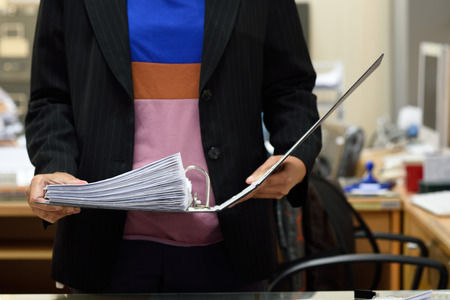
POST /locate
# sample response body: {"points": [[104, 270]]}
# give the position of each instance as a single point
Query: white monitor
{"points": [[433, 89]]}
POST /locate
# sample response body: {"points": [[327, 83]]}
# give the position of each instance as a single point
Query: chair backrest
{"points": [[328, 230], [338, 212], [332, 207], [345, 220]]}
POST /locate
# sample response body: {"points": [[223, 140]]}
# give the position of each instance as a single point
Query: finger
{"points": [[273, 189], [63, 178], [278, 179], [262, 169], [50, 215], [270, 195], [35, 192], [38, 182], [66, 210], [266, 191]]}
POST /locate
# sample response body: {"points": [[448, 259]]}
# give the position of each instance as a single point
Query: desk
{"points": [[433, 230], [341, 295], [382, 214], [25, 247]]}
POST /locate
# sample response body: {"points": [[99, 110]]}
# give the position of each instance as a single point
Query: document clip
{"points": [[196, 205]]}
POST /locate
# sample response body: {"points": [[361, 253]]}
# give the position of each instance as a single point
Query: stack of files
{"points": [[158, 186]]}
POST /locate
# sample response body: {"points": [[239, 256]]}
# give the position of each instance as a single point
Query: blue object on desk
{"points": [[412, 131], [369, 183], [369, 174]]}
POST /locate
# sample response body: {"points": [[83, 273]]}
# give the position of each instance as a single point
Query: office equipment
{"points": [[437, 203], [435, 186], [436, 168], [342, 146], [434, 89]]}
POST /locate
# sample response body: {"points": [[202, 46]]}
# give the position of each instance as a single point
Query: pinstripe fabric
{"points": [[81, 118], [219, 19]]}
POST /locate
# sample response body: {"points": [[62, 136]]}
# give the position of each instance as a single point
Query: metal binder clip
{"points": [[197, 203]]}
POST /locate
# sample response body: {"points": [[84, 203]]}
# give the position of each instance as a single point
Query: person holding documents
{"points": [[118, 84]]}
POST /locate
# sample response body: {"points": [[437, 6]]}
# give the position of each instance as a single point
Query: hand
{"points": [[278, 184], [35, 193]]}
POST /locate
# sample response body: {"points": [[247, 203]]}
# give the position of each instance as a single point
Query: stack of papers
{"points": [[437, 203], [158, 186]]}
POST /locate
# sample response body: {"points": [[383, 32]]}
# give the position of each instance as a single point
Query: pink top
{"points": [[166, 74]]}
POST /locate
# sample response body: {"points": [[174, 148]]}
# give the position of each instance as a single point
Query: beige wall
{"points": [[356, 32]]}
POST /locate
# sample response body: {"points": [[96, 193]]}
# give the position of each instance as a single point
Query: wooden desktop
{"points": [[25, 247], [434, 231]]}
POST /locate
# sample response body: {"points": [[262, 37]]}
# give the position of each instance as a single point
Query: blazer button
{"points": [[206, 95], [214, 153]]}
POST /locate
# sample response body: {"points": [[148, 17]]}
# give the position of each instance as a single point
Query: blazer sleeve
{"points": [[49, 126], [290, 107]]}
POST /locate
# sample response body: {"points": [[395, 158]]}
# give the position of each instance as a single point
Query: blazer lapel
{"points": [[220, 16], [110, 24]]}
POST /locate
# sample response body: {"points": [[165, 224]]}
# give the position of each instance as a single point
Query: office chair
{"points": [[340, 214]]}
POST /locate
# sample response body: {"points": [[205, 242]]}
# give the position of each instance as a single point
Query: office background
{"points": [[348, 34]]}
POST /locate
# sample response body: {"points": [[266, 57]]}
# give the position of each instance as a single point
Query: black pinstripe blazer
{"points": [[81, 118]]}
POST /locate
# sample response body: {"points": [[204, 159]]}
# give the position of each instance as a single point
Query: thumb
{"points": [[64, 178], [262, 169], [77, 181]]}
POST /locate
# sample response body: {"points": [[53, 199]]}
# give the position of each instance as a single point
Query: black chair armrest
{"points": [[403, 239], [304, 264], [397, 237]]}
